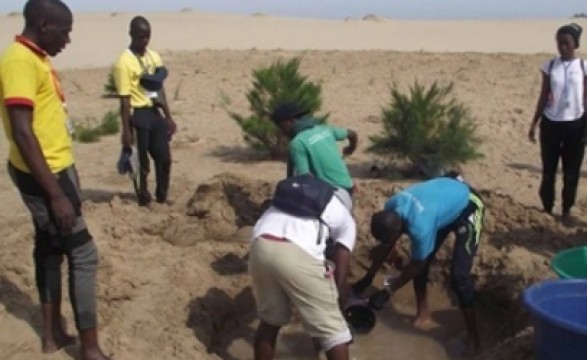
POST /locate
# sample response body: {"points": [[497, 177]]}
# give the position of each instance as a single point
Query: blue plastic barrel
{"points": [[559, 314]]}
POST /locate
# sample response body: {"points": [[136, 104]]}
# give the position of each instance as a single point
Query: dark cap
{"points": [[574, 30], [287, 110]]}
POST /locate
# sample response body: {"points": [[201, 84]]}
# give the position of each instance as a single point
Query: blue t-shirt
{"points": [[428, 207]]}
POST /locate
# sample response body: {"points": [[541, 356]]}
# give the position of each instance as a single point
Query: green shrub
{"points": [[109, 125], [84, 134], [110, 85], [428, 128], [272, 85]]}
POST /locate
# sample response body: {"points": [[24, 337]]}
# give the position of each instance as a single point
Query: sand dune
{"points": [[97, 38]]}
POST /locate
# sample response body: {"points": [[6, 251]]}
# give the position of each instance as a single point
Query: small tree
{"points": [[110, 85], [428, 128], [109, 125], [272, 85]]}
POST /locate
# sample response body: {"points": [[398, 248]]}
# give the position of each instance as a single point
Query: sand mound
{"points": [[371, 17], [518, 244], [173, 281], [226, 204]]}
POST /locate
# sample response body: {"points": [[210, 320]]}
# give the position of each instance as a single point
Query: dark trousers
{"points": [[51, 246], [564, 140], [467, 229], [152, 138]]}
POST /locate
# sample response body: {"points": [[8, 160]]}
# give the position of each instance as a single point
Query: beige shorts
{"points": [[285, 275]]}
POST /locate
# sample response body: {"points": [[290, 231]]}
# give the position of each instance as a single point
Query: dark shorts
{"points": [[467, 229], [52, 245], [40, 208]]}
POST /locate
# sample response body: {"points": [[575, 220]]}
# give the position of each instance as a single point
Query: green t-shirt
{"points": [[315, 151]]}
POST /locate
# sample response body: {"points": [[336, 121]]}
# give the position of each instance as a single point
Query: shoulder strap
{"points": [[550, 66], [143, 66], [583, 67]]}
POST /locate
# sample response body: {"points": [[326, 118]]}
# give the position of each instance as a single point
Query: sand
{"points": [[172, 279]]}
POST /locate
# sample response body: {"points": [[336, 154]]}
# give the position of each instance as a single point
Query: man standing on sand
{"points": [[288, 267], [139, 75], [41, 166], [427, 213], [313, 149]]}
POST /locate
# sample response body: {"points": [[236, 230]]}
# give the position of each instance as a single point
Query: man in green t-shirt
{"points": [[313, 148]]}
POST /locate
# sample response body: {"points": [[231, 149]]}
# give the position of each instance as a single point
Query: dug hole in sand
{"points": [[173, 281]]}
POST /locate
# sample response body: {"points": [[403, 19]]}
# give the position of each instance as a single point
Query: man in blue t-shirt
{"points": [[428, 212]]}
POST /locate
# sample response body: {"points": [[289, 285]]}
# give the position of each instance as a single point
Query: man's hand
{"points": [[172, 127], [360, 286], [379, 299], [127, 138], [348, 150], [396, 260], [64, 213]]}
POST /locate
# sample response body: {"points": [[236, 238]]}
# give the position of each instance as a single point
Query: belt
{"points": [[273, 238]]}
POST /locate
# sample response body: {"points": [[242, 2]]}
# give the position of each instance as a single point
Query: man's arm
{"points": [[353, 141], [341, 134], [127, 138], [378, 299], [342, 259], [409, 272], [377, 261], [21, 122], [343, 232], [122, 80]]}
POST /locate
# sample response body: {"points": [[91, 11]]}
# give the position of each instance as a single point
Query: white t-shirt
{"points": [[304, 231], [565, 101]]}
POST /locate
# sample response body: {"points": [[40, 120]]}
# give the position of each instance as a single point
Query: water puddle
{"points": [[393, 338]]}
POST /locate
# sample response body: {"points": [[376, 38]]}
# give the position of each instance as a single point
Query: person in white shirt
{"points": [[288, 267], [561, 113]]}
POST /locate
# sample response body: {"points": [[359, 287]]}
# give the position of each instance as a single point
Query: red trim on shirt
{"points": [[19, 101], [40, 52], [31, 45]]}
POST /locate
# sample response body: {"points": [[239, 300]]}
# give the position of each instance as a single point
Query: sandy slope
{"points": [[159, 301]]}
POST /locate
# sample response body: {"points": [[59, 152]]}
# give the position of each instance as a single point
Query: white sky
{"points": [[407, 9]]}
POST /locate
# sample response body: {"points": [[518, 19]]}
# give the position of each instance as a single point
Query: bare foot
{"points": [[49, 346], [95, 355], [57, 343], [424, 323]]}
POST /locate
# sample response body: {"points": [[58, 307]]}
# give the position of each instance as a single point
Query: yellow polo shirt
{"points": [[28, 79], [127, 72]]}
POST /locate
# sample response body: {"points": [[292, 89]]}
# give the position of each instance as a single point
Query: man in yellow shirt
{"points": [[41, 165], [139, 75]]}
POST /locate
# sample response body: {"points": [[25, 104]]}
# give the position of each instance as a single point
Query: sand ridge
{"points": [[98, 37]]}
